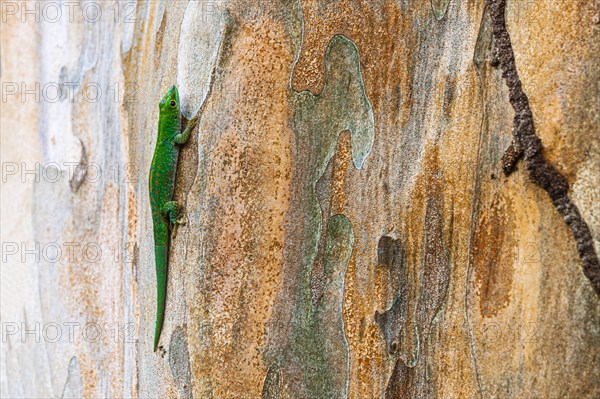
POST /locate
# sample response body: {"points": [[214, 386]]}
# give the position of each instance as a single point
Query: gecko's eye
{"points": [[173, 103]]}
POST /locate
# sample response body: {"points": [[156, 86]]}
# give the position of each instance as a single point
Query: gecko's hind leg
{"points": [[171, 211]]}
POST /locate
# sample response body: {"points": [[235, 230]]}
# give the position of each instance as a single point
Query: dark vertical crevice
{"points": [[411, 378], [528, 145], [390, 254]]}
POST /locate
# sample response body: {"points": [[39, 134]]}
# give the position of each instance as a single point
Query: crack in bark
{"points": [[80, 170], [528, 145]]}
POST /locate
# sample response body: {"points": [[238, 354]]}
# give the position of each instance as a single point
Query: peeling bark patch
{"points": [[410, 376], [179, 361], [540, 171], [412, 381], [272, 383], [390, 256], [389, 252], [391, 321], [400, 382], [493, 263], [436, 274]]}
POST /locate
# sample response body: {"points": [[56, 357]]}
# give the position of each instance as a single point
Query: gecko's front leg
{"points": [[184, 136]]}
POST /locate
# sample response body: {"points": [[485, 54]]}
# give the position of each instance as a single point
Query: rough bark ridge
{"points": [[527, 144]]}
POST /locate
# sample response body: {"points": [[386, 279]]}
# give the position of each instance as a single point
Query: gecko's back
{"points": [[163, 170]]}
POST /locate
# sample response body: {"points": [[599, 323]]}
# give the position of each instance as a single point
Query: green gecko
{"points": [[165, 211]]}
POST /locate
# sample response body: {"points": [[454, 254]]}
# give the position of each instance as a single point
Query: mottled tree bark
{"points": [[350, 231]]}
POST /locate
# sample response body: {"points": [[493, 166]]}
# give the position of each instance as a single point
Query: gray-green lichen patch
{"points": [[329, 310], [179, 361], [318, 349], [318, 122], [439, 8], [341, 105], [315, 360], [272, 383]]}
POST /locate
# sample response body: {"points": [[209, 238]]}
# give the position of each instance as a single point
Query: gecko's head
{"points": [[170, 102]]}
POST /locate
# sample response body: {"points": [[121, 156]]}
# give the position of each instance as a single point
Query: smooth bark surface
{"points": [[350, 231]]}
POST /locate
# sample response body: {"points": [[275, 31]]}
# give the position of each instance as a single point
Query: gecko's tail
{"points": [[161, 254]]}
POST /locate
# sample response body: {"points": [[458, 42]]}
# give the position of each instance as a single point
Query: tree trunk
{"points": [[350, 230]]}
